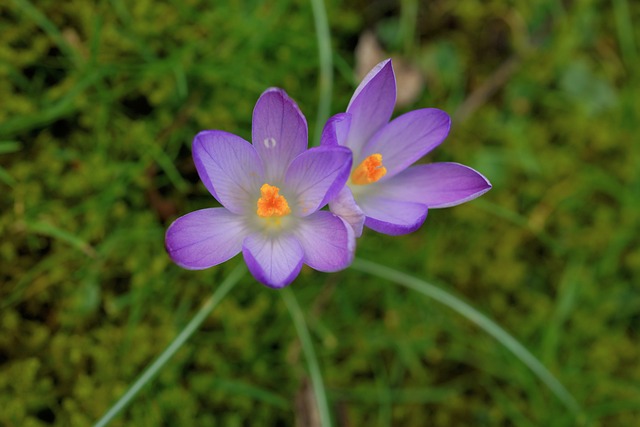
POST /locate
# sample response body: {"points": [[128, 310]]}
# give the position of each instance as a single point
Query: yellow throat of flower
{"points": [[369, 171], [272, 204]]}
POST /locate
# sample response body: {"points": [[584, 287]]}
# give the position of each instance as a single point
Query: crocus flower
{"points": [[384, 192], [271, 192]]}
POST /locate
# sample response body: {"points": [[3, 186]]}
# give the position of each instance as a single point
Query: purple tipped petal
{"points": [[327, 240], [274, 261], [316, 176], [336, 130], [223, 161], [279, 132], [205, 238], [345, 206], [407, 138], [437, 185], [371, 105], [392, 217]]}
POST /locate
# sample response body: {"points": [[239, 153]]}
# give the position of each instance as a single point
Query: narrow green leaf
{"points": [[326, 66], [309, 354], [227, 284], [486, 324]]}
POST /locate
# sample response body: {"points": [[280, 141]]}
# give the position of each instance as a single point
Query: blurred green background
{"points": [[99, 103]]}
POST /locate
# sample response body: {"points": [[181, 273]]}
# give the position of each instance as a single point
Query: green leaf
{"points": [[486, 324]]}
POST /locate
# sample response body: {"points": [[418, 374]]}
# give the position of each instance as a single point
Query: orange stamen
{"points": [[271, 203], [369, 171]]}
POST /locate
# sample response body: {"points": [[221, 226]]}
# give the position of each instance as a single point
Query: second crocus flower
{"points": [[384, 192]]}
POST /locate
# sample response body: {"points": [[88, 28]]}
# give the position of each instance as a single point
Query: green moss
{"points": [[104, 99]]}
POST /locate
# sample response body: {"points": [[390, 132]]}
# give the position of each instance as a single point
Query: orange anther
{"points": [[271, 203], [369, 171]]}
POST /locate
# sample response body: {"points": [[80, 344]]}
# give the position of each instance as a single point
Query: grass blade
{"points": [[309, 354], [326, 66], [486, 324], [229, 282]]}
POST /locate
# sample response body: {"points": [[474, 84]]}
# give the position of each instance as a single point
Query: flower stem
{"points": [[326, 66], [309, 354], [488, 325], [229, 282]]}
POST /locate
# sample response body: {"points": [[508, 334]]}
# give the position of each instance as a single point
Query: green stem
{"points": [[326, 66], [309, 354], [488, 325], [229, 282]]}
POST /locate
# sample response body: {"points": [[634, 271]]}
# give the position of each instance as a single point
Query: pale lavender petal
{"points": [[371, 105], [274, 261], [345, 206], [316, 176], [437, 185], [279, 132], [407, 138], [336, 130], [327, 240], [205, 238], [391, 216], [229, 167]]}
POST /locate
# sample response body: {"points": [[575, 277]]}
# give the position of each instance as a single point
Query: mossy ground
{"points": [[99, 103]]}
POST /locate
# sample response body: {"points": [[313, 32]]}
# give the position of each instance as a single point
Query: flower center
{"points": [[369, 171], [272, 204]]}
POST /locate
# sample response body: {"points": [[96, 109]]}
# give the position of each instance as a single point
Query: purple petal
{"points": [[345, 206], [392, 217], [327, 240], [407, 138], [437, 185], [205, 238], [229, 167], [371, 105], [273, 260], [279, 132], [316, 176], [336, 130]]}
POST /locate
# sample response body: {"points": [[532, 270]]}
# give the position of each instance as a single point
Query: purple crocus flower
{"points": [[384, 191], [271, 191]]}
